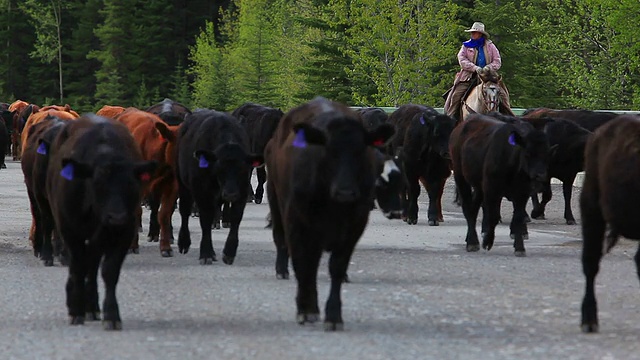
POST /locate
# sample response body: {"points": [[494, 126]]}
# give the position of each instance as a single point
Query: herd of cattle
{"points": [[86, 177]]}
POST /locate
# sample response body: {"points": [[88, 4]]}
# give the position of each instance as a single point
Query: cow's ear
{"points": [[72, 169], [43, 145], [144, 170], [308, 134], [515, 139], [380, 135], [204, 157], [166, 133], [256, 160]]}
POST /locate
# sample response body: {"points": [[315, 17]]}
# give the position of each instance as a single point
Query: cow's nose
{"points": [[345, 195]]}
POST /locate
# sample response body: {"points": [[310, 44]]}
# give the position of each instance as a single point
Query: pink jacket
{"points": [[467, 60]]}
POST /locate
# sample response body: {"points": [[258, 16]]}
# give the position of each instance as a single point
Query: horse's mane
{"points": [[489, 75]]}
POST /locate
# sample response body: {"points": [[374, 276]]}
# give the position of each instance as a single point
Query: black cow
{"points": [[94, 185], [4, 143], [6, 117], [422, 145], [372, 117], [491, 160], [35, 164], [609, 198], [566, 161], [171, 112], [588, 119], [323, 168], [259, 122], [213, 164]]}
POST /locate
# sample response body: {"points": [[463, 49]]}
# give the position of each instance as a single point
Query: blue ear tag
{"points": [[300, 141], [67, 171], [203, 164], [42, 149], [422, 119], [512, 139]]}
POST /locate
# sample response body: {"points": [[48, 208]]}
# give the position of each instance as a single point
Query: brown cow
{"points": [[46, 113], [609, 198], [110, 111], [20, 111], [157, 142]]}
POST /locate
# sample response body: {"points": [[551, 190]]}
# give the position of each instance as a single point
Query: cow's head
{"points": [[346, 143], [535, 152], [230, 165], [114, 184], [437, 129], [390, 187]]}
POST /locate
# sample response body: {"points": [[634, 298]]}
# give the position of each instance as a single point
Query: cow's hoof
{"points": [[331, 326], [63, 260], [440, 219], [283, 276], [112, 325], [307, 318], [134, 251], [487, 245], [140, 229], [257, 200], [155, 238], [433, 223], [48, 262], [76, 320], [538, 215], [216, 226], [473, 247], [571, 222], [520, 253], [346, 279], [207, 261], [166, 253], [92, 316], [226, 225], [590, 328], [412, 221], [525, 236], [3, 166], [228, 259]]}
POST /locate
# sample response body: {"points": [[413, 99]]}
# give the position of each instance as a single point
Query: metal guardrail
{"points": [[517, 111]]}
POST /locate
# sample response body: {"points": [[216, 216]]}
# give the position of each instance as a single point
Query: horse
{"points": [[484, 97]]}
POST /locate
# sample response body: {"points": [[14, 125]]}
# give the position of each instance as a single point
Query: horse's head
{"points": [[489, 80]]}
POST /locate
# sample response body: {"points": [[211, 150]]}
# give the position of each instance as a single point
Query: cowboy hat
{"points": [[479, 27]]}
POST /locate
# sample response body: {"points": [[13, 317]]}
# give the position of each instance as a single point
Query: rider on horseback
{"points": [[476, 53]]}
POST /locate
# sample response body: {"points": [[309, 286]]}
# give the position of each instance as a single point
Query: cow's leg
{"points": [[235, 212], [518, 225], [413, 191], [470, 206], [76, 280], [154, 225], [567, 188], [217, 217], [111, 266], [35, 235], [226, 217], [261, 173], [168, 201], [305, 257], [277, 231], [184, 207], [46, 225], [435, 198], [593, 229], [134, 248], [207, 213], [538, 212], [338, 264], [491, 215], [92, 307], [250, 195]]}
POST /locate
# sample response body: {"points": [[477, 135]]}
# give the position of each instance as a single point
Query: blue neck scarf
{"points": [[471, 43]]}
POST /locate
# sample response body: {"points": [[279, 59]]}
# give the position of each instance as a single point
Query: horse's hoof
{"points": [[166, 253], [228, 259], [110, 325], [92, 316], [590, 328], [520, 253], [134, 251], [331, 326], [76, 320], [283, 276], [433, 223], [48, 262], [571, 222], [307, 318], [207, 261], [154, 238], [473, 247]]}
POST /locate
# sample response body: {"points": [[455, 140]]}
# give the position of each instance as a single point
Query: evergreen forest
{"points": [[220, 54]]}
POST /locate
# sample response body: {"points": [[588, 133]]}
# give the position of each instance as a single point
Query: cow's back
{"points": [[401, 120]]}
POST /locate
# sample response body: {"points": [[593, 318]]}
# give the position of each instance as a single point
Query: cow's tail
{"points": [[458, 199], [611, 240]]}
